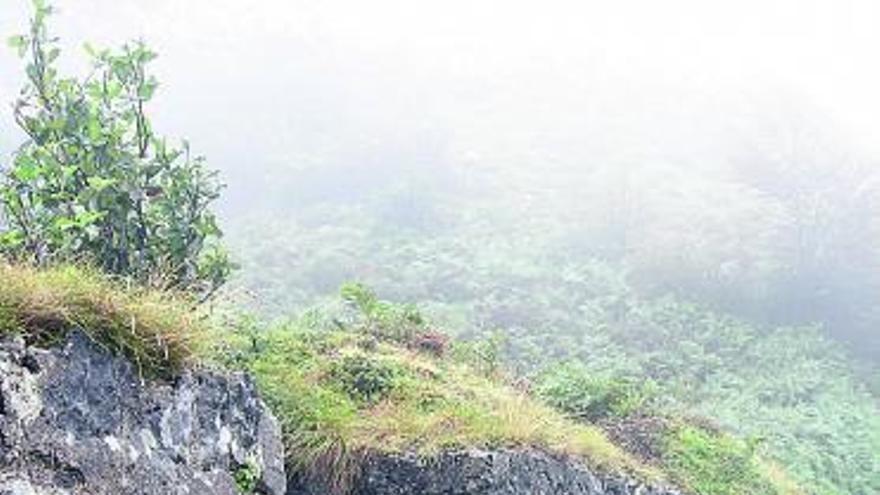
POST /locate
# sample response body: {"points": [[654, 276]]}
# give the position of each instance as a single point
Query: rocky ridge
{"points": [[77, 419]]}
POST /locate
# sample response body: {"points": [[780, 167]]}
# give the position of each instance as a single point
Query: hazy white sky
{"points": [[220, 57]]}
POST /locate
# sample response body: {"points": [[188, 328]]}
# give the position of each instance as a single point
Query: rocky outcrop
{"points": [[475, 472], [75, 419]]}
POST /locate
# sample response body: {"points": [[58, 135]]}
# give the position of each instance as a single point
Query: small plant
{"points": [[576, 391], [247, 477], [398, 323], [365, 379], [484, 355]]}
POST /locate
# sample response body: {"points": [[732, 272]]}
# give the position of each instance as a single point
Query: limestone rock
{"points": [[75, 419]]}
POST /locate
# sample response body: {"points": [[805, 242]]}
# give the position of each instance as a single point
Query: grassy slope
{"points": [[372, 384], [342, 394], [368, 385], [158, 331]]}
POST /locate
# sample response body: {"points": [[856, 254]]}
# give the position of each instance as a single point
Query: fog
{"points": [[550, 105], [684, 193], [260, 83]]}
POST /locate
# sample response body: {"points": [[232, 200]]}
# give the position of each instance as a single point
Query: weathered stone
{"points": [[476, 472], [78, 420]]}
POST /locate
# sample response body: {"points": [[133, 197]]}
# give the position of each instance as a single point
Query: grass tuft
{"points": [[159, 331]]}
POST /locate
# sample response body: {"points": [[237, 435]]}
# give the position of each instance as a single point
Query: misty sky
{"points": [[275, 80]]}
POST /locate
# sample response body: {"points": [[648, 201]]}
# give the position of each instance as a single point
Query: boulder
{"points": [[77, 419]]}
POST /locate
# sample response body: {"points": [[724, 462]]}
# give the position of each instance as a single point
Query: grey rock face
{"points": [[491, 473], [77, 420]]}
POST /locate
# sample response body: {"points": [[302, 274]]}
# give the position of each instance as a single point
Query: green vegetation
{"points": [[343, 393], [94, 182], [585, 395], [711, 463], [738, 330], [698, 457], [344, 385], [393, 400], [157, 330], [246, 477], [542, 304]]}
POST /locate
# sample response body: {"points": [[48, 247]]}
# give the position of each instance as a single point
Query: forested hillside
{"points": [[744, 296], [792, 385], [533, 252]]}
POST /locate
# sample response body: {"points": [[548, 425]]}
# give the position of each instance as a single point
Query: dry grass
{"points": [[470, 409], [431, 404], [158, 331]]}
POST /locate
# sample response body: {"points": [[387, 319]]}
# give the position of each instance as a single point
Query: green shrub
{"points": [[94, 182], [399, 323], [580, 393], [247, 476], [714, 464], [365, 379], [484, 355]]}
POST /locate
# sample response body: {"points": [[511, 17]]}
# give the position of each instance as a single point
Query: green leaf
{"points": [[16, 42], [53, 55], [88, 217], [64, 223], [114, 89], [100, 183], [12, 238], [94, 128], [145, 92], [69, 170], [27, 171]]}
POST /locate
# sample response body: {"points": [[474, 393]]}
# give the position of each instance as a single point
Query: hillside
{"points": [[565, 269], [548, 304], [376, 387]]}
